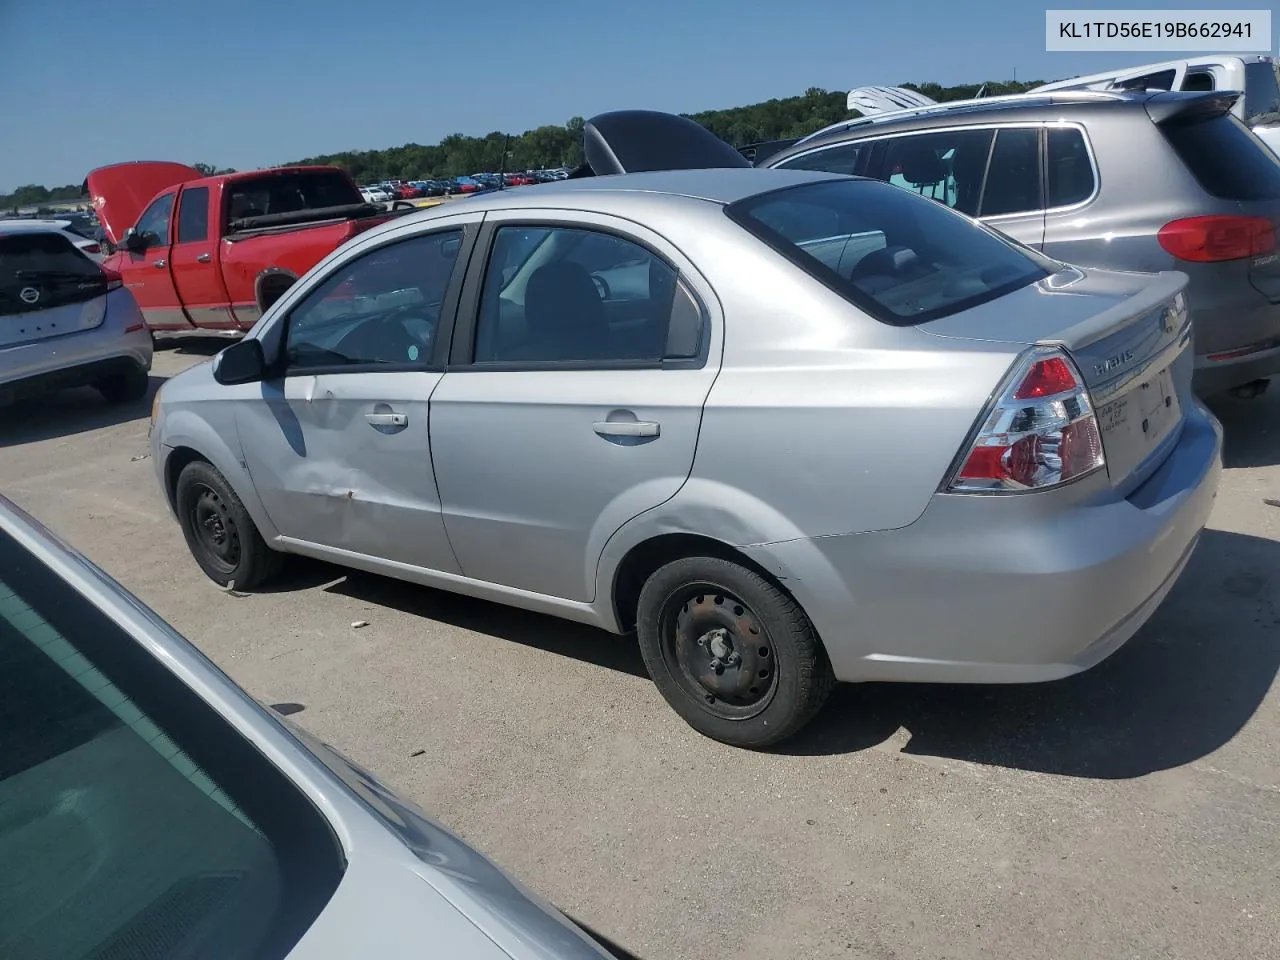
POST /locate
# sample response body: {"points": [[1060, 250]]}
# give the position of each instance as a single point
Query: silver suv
{"points": [[1129, 181]]}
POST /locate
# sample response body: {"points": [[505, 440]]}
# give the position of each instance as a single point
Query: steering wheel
{"points": [[387, 339], [602, 285]]}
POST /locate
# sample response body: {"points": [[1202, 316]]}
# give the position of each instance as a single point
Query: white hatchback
{"points": [[86, 244], [65, 321]]}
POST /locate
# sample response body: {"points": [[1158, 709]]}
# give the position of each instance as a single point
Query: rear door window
{"points": [[1160, 80], [193, 215], [137, 822], [945, 165], [1013, 177], [1226, 158], [902, 261], [1200, 81], [1070, 178]]}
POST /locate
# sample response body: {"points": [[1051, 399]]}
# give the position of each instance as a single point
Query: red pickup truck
{"points": [[213, 253]]}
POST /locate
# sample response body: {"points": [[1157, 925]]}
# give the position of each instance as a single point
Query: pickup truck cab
{"points": [[213, 253]]}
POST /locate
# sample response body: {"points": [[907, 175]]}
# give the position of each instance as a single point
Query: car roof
{"points": [[715, 185], [1013, 106], [21, 224]]}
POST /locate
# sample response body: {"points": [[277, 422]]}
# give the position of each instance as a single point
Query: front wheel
{"points": [[219, 531], [732, 654]]}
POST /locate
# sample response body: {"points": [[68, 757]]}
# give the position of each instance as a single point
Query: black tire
{"points": [[220, 533], [127, 387], [781, 676]]}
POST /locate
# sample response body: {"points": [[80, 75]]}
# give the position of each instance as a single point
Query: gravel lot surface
{"points": [[1133, 811]]}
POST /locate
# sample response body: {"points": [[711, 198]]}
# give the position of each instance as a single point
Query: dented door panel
{"points": [[344, 461]]}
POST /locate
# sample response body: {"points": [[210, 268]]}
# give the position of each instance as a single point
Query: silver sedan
{"points": [[788, 427]]}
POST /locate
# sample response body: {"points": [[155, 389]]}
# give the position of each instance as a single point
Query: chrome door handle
{"points": [[387, 419], [204, 258], [626, 428], [160, 264]]}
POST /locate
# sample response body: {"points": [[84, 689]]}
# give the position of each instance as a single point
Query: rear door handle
{"points": [[160, 264], [627, 428], [204, 258], [387, 419]]}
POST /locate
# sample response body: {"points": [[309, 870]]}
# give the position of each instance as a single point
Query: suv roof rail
{"points": [[983, 103]]}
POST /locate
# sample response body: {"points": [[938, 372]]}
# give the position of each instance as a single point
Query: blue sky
{"points": [[244, 84]]}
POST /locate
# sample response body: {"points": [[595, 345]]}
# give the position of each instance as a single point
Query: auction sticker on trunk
{"points": [[1134, 424]]}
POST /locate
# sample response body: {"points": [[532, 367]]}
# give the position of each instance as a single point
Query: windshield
{"points": [[143, 823], [900, 257]]}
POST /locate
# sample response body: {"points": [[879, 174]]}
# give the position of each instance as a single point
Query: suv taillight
{"points": [[1041, 432], [114, 280], [1212, 239]]}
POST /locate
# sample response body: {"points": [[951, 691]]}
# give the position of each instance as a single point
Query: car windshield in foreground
{"points": [[138, 821], [902, 258]]}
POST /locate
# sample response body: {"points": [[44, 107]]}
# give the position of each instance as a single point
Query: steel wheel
{"points": [[718, 650], [215, 528]]}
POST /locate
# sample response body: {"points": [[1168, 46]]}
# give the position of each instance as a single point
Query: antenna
{"points": [[502, 164]]}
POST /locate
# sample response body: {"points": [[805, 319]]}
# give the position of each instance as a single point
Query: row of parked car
{"points": [[391, 190]]}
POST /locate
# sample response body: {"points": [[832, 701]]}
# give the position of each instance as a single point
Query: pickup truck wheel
{"points": [[219, 531], [730, 652], [125, 387]]}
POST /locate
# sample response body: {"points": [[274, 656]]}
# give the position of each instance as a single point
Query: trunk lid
{"points": [[1129, 336], [122, 191], [47, 288]]}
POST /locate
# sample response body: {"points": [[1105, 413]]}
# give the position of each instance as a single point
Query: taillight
{"points": [[1040, 433], [114, 280], [92, 248], [1211, 239]]}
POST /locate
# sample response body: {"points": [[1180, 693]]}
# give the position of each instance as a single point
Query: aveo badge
{"points": [[1113, 363]]}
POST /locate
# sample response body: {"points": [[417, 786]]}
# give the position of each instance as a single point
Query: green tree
{"points": [[561, 146]]}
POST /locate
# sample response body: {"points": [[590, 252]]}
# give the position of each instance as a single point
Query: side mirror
{"points": [[242, 362], [133, 241]]}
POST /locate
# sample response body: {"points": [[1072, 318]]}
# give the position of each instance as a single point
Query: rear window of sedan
{"points": [[901, 258]]}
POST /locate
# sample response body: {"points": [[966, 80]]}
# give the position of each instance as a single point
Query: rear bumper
{"points": [[63, 378], [74, 360], [1218, 376], [1005, 589]]}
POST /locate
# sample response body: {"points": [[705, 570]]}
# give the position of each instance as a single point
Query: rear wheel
{"points": [[124, 387], [732, 654], [220, 533]]}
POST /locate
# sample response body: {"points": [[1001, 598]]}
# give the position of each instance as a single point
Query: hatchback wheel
{"points": [[220, 533], [732, 654]]}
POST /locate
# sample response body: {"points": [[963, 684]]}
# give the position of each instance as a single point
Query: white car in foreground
{"points": [[87, 245], [65, 321]]}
